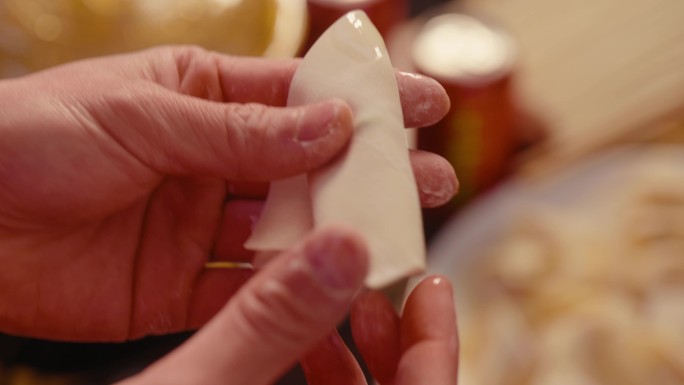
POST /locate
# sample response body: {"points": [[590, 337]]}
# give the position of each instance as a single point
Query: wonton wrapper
{"points": [[370, 187]]}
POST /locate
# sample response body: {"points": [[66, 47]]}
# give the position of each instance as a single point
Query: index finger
{"points": [[428, 335], [267, 81]]}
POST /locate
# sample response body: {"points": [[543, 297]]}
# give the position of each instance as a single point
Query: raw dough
{"points": [[370, 187]]}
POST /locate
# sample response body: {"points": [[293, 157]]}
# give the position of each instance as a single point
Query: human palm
{"points": [[121, 178]]}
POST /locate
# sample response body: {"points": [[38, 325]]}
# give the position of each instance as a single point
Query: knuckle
{"points": [[198, 72], [250, 117], [245, 139]]}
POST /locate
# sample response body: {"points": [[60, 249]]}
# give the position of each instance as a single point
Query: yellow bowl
{"points": [[35, 34]]}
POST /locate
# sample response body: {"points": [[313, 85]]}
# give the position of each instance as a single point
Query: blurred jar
{"points": [[474, 61], [36, 34], [385, 15]]}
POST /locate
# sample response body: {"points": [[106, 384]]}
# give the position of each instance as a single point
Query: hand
{"points": [[420, 347], [120, 177], [286, 310]]}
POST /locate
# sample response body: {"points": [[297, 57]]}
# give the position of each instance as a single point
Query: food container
{"points": [[474, 61]]}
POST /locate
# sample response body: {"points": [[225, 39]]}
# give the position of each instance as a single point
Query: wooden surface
{"points": [[597, 71]]}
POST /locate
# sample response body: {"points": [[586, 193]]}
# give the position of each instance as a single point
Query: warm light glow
{"points": [[338, 2], [48, 27], [160, 10], [221, 5], [157, 9], [460, 46]]}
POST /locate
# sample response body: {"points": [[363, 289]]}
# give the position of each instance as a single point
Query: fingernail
{"points": [[442, 282], [318, 121], [339, 262]]}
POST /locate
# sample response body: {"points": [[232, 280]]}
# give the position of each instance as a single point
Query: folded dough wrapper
{"points": [[370, 186]]}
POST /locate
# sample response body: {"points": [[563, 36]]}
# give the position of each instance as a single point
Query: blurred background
{"points": [[566, 242]]}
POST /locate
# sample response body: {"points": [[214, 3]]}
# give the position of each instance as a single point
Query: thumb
{"points": [[276, 318], [180, 134]]}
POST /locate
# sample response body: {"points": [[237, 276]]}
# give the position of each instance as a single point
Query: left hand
{"points": [[120, 177]]}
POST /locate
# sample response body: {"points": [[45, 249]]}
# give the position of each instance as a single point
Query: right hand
{"points": [[274, 318], [420, 347], [286, 310]]}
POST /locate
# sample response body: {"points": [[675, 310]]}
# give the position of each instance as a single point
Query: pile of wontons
{"points": [[587, 293]]}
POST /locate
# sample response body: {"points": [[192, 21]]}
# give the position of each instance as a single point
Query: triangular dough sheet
{"points": [[370, 187]]}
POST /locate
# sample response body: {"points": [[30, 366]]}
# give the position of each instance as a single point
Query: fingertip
{"points": [[435, 177], [323, 119], [435, 289], [339, 258], [441, 103], [343, 234], [424, 99], [429, 336], [429, 313], [343, 112], [439, 282], [343, 119], [323, 130]]}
